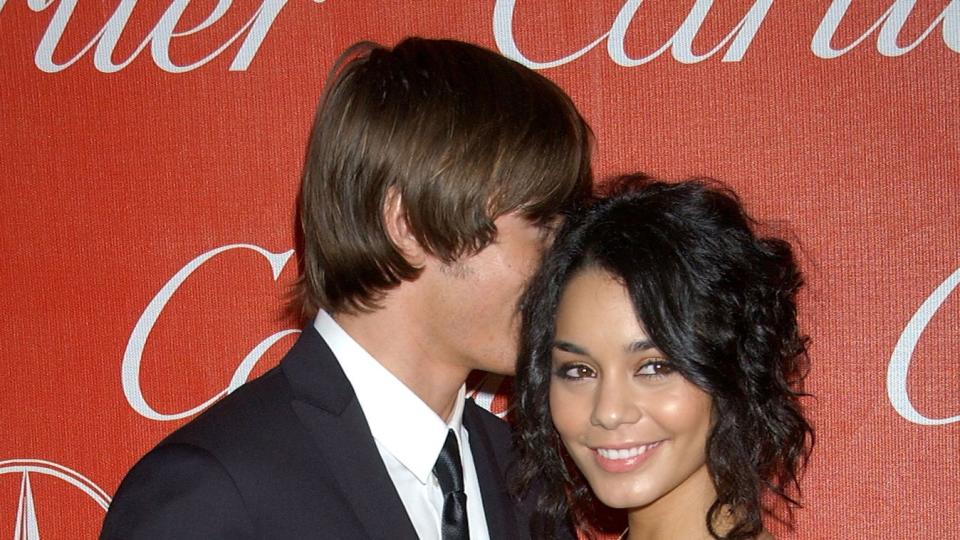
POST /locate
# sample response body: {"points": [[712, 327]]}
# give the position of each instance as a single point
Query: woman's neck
{"points": [[680, 513]]}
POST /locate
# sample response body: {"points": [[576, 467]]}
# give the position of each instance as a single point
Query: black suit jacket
{"points": [[290, 455]]}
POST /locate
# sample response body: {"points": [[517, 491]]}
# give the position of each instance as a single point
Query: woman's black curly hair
{"points": [[719, 302]]}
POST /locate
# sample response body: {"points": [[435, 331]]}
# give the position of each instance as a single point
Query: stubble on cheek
{"points": [[457, 270]]}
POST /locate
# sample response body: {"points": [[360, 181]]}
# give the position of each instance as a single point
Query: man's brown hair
{"points": [[461, 134]]}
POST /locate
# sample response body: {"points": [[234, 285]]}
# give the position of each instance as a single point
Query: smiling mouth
{"points": [[624, 459]]}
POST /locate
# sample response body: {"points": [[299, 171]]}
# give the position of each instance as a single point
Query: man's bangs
{"points": [[543, 194]]}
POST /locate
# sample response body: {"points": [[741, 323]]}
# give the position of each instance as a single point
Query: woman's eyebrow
{"points": [[566, 346], [640, 345]]}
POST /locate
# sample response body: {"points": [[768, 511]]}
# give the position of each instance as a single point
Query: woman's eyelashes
{"points": [[574, 371], [655, 367], [649, 369]]}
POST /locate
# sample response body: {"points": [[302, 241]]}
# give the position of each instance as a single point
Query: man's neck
{"points": [[395, 338]]}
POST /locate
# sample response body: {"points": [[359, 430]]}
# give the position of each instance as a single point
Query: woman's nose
{"points": [[615, 404]]}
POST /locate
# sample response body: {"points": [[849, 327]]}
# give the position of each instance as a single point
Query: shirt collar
{"points": [[399, 420]]}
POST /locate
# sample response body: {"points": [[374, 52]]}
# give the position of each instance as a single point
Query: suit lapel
{"points": [[497, 503], [327, 406]]}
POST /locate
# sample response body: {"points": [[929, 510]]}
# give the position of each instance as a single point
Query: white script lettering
{"points": [[133, 355], [159, 38], [680, 44], [890, 24], [903, 353]]}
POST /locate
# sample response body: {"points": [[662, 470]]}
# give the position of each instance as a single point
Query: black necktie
{"points": [[449, 471]]}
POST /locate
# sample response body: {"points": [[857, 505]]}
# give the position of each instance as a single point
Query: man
{"points": [[434, 173]]}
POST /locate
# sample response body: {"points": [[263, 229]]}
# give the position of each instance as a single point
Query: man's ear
{"points": [[398, 229]]}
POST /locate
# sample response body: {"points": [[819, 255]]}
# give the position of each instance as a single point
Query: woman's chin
{"points": [[623, 501]]}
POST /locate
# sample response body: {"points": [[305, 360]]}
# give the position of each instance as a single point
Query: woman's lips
{"points": [[624, 459]]}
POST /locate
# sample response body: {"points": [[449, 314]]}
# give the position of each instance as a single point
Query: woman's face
{"points": [[636, 428]]}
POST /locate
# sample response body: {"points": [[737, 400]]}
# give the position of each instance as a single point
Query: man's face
{"points": [[474, 300]]}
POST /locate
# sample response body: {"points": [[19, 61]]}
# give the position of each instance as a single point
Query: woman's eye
{"points": [[576, 371], [655, 367]]}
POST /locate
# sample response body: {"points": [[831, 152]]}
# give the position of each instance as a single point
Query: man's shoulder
{"points": [[252, 412], [234, 471], [192, 484]]}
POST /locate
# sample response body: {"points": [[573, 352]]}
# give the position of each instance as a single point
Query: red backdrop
{"points": [[150, 160]]}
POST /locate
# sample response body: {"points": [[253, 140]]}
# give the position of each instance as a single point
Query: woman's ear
{"points": [[398, 229]]}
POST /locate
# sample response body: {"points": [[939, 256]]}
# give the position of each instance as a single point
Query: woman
{"points": [[661, 366]]}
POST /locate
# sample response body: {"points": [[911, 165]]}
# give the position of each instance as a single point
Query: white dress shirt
{"points": [[408, 434]]}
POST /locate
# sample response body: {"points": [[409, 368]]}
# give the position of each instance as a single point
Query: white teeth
{"points": [[624, 453]]}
